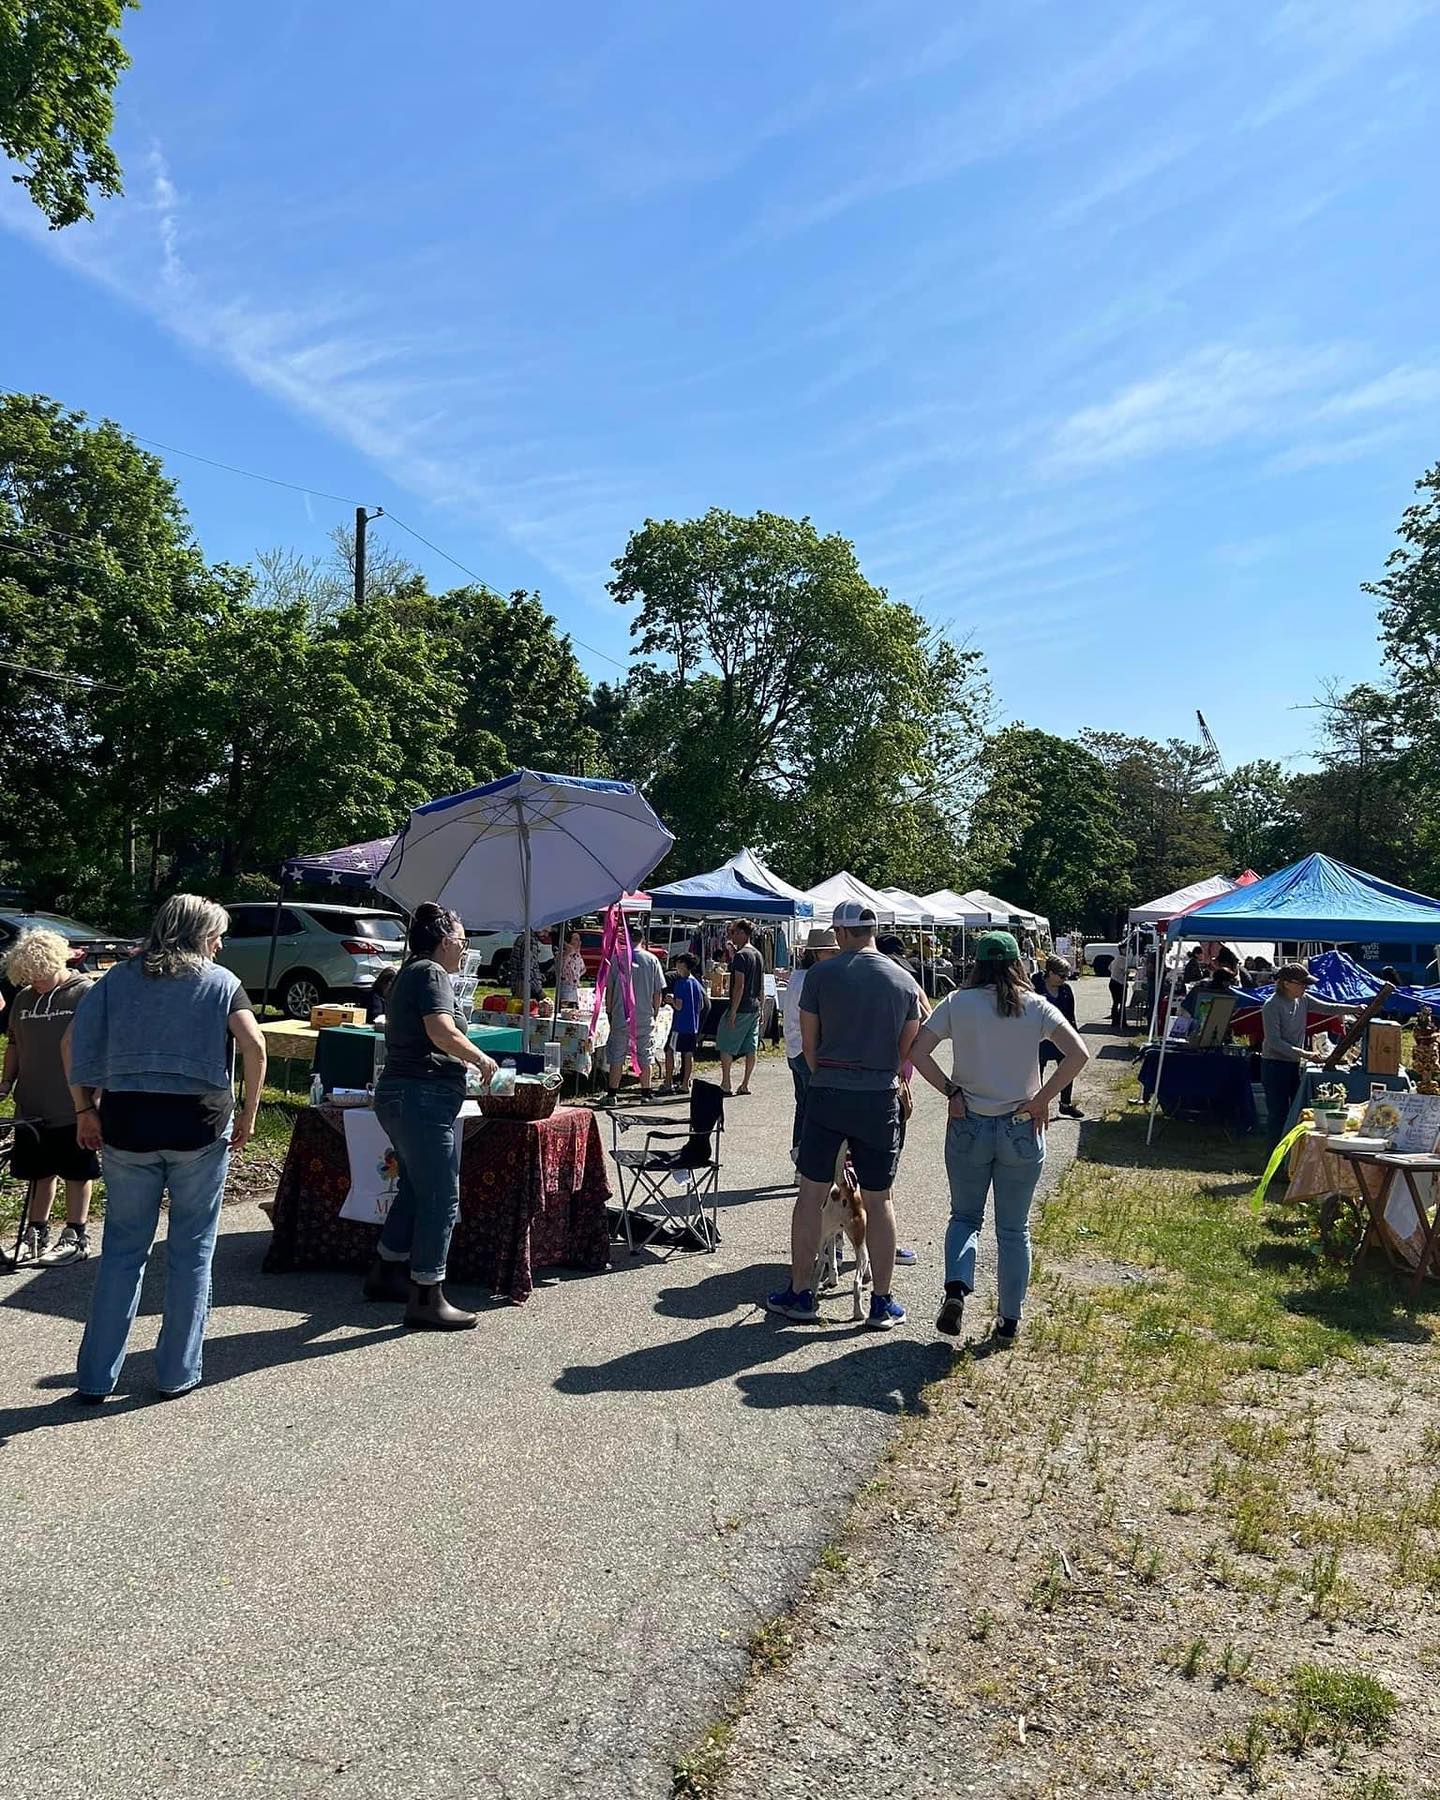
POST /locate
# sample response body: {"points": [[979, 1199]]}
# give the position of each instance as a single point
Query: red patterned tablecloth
{"points": [[530, 1195]]}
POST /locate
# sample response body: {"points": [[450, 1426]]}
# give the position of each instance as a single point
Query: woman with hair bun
{"points": [[417, 1101]]}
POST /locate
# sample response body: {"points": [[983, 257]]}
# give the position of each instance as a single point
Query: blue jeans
{"points": [[800, 1069], [418, 1117], [1008, 1154], [135, 1180]]}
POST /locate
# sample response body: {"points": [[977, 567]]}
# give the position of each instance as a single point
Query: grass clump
{"points": [[698, 1773], [1340, 1706]]}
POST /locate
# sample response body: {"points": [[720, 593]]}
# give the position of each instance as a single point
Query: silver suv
{"points": [[321, 952]]}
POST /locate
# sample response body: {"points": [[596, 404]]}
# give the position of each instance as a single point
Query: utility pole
{"points": [[362, 519]]}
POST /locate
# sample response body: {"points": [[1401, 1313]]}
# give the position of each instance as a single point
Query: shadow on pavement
{"points": [[887, 1375], [326, 1302]]}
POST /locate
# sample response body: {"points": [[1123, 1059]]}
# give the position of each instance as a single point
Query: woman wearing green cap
{"points": [[999, 1108]]}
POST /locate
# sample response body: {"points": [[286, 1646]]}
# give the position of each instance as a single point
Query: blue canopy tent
{"points": [[1315, 900], [739, 887]]}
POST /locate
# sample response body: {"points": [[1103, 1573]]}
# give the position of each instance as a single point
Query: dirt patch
{"points": [[1182, 1541]]}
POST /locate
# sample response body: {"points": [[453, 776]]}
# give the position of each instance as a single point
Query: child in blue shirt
{"points": [[688, 999]]}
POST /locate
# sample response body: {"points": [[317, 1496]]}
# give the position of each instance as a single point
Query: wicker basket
{"points": [[534, 1100]]}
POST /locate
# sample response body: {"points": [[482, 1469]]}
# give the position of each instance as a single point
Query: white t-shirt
{"points": [[995, 1061], [794, 1045]]}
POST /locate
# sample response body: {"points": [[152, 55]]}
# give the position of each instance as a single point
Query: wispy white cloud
{"points": [[996, 122], [1330, 452], [1328, 40], [1212, 397]]}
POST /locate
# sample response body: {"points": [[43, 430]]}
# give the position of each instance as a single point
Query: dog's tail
{"points": [[856, 1231]]}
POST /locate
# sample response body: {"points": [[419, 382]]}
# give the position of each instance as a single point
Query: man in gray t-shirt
{"points": [[859, 1015]]}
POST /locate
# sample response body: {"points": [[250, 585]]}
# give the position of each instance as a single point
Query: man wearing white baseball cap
{"points": [[859, 1013]]}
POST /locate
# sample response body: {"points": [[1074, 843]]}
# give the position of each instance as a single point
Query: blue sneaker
{"points": [[904, 1254], [885, 1313], [791, 1305]]}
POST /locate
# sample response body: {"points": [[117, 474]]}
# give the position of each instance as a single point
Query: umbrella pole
{"points": [[1160, 1063], [524, 831], [274, 934]]}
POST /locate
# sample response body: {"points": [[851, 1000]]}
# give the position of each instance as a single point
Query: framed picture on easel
{"points": [[1213, 1013]]}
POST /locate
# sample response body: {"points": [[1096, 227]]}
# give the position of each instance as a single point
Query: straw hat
{"points": [[821, 937]]}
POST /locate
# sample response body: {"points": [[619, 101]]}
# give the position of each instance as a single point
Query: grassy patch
{"points": [[1340, 1706], [698, 1774]]}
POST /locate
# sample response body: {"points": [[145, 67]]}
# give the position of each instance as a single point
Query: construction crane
{"points": [[1208, 740]]}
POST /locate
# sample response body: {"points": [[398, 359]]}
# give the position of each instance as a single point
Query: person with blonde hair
{"points": [[46, 1150], [152, 1078]]}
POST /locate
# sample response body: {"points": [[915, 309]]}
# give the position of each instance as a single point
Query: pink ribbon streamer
{"points": [[617, 932]]}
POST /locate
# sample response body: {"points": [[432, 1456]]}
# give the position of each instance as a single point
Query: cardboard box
{"points": [[321, 1016], [1382, 1047]]}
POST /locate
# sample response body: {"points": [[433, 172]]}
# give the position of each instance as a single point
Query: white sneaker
{"points": [[31, 1248], [71, 1246]]}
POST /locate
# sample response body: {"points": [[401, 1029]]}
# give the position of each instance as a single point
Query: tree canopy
{"points": [[59, 63]]}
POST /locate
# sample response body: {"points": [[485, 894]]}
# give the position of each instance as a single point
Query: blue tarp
{"points": [[742, 885], [1315, 900], [1341, 983]]}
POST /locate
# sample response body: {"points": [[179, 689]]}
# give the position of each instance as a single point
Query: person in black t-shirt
{"points": [[417, 1101], [738, 1033]]}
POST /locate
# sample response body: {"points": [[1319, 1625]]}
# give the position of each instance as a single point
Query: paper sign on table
{"points": [[374, 1169], [1411, 1121]]}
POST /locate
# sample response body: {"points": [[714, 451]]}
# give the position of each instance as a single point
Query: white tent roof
{"points": [[947, 907], [1170, 906], [909, 909], [1000, 912], [827, 895]]}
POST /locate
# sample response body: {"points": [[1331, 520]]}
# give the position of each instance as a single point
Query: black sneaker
{"points": [[1073, 1112], [1006, 1331], [952, 1315]]}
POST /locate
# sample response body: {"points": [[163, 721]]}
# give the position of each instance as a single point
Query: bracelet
{"points": [[85, 1109]]}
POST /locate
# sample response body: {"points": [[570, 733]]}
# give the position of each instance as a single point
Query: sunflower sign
{"points": [[374, 1168]]}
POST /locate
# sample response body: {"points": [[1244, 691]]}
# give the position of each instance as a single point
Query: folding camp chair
{"points": [[665, 1190], [9, 1131]]}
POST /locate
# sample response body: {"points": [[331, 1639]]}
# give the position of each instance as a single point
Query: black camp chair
{"points": [[649, 1194], [10, 1129]]}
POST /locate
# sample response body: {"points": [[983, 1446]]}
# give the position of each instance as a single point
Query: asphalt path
{"points": [[518, 1562]]}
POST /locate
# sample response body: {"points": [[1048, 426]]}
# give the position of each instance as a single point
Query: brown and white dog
{"points": [[841, 1217]]}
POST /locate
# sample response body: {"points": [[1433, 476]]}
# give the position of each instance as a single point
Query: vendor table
{"points": [[1204, 1081], [1407, 1234], [531, 1194], [1314, 1170]]}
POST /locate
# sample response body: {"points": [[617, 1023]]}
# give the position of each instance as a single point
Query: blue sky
{"points": [[1107, 332]]}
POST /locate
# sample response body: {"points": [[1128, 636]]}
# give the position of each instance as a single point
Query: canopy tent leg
{"points": [[1160, 1063], [274, 935], [524, 830]]}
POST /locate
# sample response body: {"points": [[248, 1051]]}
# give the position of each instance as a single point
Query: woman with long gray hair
{"points": [[151, 1074]]}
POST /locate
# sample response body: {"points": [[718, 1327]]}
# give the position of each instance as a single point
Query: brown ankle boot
{"points": [[429, 1310], [387, 1281]]}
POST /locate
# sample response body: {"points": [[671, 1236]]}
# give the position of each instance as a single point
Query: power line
{"points": [[84, 681], [296, 487], [231, 469]]}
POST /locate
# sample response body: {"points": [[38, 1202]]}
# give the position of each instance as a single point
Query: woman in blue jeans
{"points": [[995, 1139], [151, 1073], [417, 1101]]}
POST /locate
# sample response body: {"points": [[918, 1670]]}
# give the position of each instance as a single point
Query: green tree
{"points": [[1046, 830], [1368, 803], [1255, 808], [782, 700], [1166, 808], [59, 63]]}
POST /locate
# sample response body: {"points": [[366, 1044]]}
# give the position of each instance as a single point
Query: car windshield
{"points": [[384, 928], [66, 928]]}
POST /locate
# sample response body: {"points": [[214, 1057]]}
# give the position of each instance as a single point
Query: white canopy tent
{"points": [[1170, 906], [1001, 912], [949, 908], [825, 896], [909, 909]]}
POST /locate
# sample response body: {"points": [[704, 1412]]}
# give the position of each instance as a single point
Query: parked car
{"points": [[92, 949], [321, 952], [495, 948]]}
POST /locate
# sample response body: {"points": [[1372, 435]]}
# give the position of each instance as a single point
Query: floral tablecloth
{"points": [[531, 1195]]}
